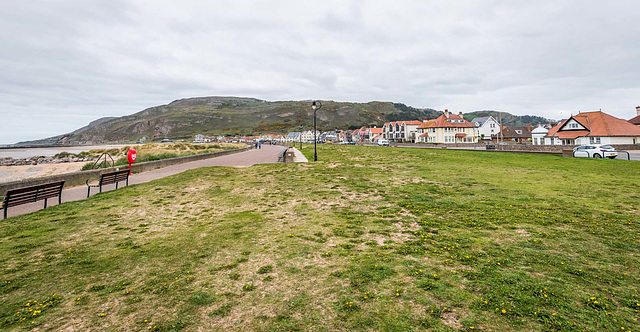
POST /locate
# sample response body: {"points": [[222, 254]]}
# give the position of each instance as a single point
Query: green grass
{"points": [[368, 238]]}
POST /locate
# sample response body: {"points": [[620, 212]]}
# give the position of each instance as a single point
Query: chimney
{"points": [[460, 114], [446, 114], [529, 127], [425, 120], [638, 110]]}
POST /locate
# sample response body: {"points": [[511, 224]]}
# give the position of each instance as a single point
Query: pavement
{"points": [[266, 155], [298, 157]]}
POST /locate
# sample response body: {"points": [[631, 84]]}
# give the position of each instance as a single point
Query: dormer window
{"points": [[573, 125], [519, 132]]}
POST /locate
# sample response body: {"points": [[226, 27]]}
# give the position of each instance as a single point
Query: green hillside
{"points": [[213, 116], [244, 116]]}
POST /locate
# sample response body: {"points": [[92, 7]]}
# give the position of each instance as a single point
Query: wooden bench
{"points": [[32, 194], [109, 178]]}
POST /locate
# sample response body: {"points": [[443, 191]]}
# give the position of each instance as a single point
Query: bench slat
{"points": [[33, 188], [32, 198], [19, 196], [33, 193], [29, 200], [111, 178]]}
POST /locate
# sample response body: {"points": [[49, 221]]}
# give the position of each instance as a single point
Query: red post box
{"points": [[131, 156]]}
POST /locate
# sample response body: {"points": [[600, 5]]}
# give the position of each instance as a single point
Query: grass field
{"points": [[368, 238]]}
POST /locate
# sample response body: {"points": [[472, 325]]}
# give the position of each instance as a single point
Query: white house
{"points": [[487, 126], [593, 128], [401, 131], [308, 135], [448, 128], [538, 134]]}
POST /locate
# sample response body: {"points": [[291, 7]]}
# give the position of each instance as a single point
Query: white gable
{"points": [[572, 125]]}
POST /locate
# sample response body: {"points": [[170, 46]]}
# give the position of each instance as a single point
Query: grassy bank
{"points": [[154, 151], [368, 238]]}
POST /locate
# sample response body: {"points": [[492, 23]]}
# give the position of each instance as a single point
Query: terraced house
{"points": [[448, 128], [401, 131]]}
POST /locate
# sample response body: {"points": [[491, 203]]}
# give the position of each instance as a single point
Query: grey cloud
{"points": [[65, 63]]}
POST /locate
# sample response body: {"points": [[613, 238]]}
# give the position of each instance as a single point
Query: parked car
{"points": [[166, 140], [595, 151], [383, 142]]}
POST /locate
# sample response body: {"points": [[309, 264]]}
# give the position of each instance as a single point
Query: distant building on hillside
{"points": [[199, 139]]}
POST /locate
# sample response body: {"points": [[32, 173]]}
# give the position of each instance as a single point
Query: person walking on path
{"points": [[259, 145]]}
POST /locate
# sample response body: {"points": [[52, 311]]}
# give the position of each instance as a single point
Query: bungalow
{"points": [[448, 128], [516, 134], [593, 128], [487, 126]]}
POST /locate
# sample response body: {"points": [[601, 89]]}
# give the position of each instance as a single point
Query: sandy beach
{"points": [[13, 173]]}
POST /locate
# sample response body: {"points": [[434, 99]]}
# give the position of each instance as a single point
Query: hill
{"points": [[215, 116], [232, 115], [508, 119]]}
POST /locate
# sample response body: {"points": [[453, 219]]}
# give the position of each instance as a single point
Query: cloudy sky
{"points": [[64, 63]]}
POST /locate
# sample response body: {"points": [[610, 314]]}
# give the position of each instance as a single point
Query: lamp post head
{"points": [[316, 105]]}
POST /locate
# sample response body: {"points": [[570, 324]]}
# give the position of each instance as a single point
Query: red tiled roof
{"points": [[461, 135], [413, 122], [597, 124], [375, 130], [424, 135], [572, 134], [635, 121], [441, 122], [426, 124]]}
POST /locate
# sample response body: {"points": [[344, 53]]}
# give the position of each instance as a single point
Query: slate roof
{"points": [[481, 120]]}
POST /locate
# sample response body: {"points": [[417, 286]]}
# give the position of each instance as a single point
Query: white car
{"points": [[383, 142], [595, 151]]}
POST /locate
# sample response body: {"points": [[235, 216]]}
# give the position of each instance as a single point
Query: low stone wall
{"points": [[510, 147], [80, 177]]}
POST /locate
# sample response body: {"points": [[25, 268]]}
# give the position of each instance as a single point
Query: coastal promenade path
{"points": [[268, 154]]}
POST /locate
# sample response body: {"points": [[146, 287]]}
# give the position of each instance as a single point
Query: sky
{"points": [[64, 63]]}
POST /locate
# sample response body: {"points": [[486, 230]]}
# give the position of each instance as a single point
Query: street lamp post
{"points": [[316, 105]]}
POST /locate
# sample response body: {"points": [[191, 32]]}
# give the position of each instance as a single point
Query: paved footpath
{"points": [[268, 154]]}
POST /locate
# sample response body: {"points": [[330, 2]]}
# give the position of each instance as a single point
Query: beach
{"points": [[13, 173]]}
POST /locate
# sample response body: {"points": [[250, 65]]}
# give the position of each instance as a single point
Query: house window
{"points": [[594, 140], [573, 125]]}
